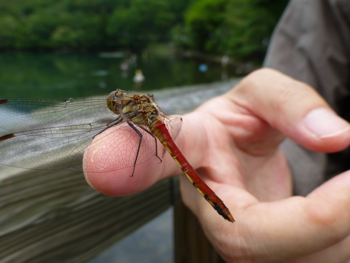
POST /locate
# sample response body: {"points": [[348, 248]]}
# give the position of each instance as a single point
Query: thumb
{"points": [[293, 108]]}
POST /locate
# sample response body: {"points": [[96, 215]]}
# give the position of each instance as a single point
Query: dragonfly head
{"points": [[113, 97]]}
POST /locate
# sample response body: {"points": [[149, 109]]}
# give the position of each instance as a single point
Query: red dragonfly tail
{"points": [[162, 133]]}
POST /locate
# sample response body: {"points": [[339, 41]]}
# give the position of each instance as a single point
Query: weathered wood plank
{"points": [[71, 222], [191, 244]]}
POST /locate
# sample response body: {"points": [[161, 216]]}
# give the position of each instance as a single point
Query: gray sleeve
{"points": [[312, 43]]}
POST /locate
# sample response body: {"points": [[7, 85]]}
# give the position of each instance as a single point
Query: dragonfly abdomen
{"points": [[162, 133]]}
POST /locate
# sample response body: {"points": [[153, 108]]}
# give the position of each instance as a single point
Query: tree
{"points": [[140, 23], [203, 18], [8, 25], [239, 28], [249, 25]]}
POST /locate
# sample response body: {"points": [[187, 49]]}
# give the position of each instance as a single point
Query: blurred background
{"points": [[188, 50], [69, 48]]}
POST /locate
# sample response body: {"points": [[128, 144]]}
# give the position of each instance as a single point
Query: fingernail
{"points": [[325, 123]]}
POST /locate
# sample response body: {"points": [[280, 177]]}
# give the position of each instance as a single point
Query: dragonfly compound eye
{"points": [[111, 101], [120, 93]]}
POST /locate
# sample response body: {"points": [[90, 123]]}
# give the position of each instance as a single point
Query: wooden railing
{"points": [[57, 217]]}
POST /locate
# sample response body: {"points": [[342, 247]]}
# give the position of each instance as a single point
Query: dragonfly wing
{"points": [[174, 124], [48, 148], [64, 147], [50, 134], [53, 134], [17, 115]]}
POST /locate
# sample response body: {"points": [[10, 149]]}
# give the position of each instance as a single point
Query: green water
{"points": [[38, 75]]}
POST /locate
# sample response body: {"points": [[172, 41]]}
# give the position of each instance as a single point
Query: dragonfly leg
{"points": [[138, 148], [67, 101], [155, 140], [117, 121]]}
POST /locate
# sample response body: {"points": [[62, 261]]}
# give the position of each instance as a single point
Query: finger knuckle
{"points": [[324, 217]]}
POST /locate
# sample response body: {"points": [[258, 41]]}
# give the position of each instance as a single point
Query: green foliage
{"points": [[9, 27], [239, 28], [49, 24], [249, 26], [203, 18], [140, 23]]}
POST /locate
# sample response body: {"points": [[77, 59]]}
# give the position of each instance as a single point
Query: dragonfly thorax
{"points": [[140, 109]]}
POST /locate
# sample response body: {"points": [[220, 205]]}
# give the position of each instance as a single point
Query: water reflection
{"points": [[40, 75]]}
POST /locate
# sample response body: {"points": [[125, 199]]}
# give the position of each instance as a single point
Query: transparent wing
{"points": [[173, 124], [53, 134], [17, 115], [47, 148], [50, 134]]}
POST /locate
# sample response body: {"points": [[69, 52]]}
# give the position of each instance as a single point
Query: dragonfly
{"points": [[56, 133]]}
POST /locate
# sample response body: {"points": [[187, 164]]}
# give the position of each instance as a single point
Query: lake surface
{"points": [[48, 75]]}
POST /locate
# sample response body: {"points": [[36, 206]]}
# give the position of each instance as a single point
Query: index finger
{"points": [[280, 230]]}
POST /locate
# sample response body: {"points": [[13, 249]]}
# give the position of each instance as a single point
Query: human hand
{"points": [[236, 138]]}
